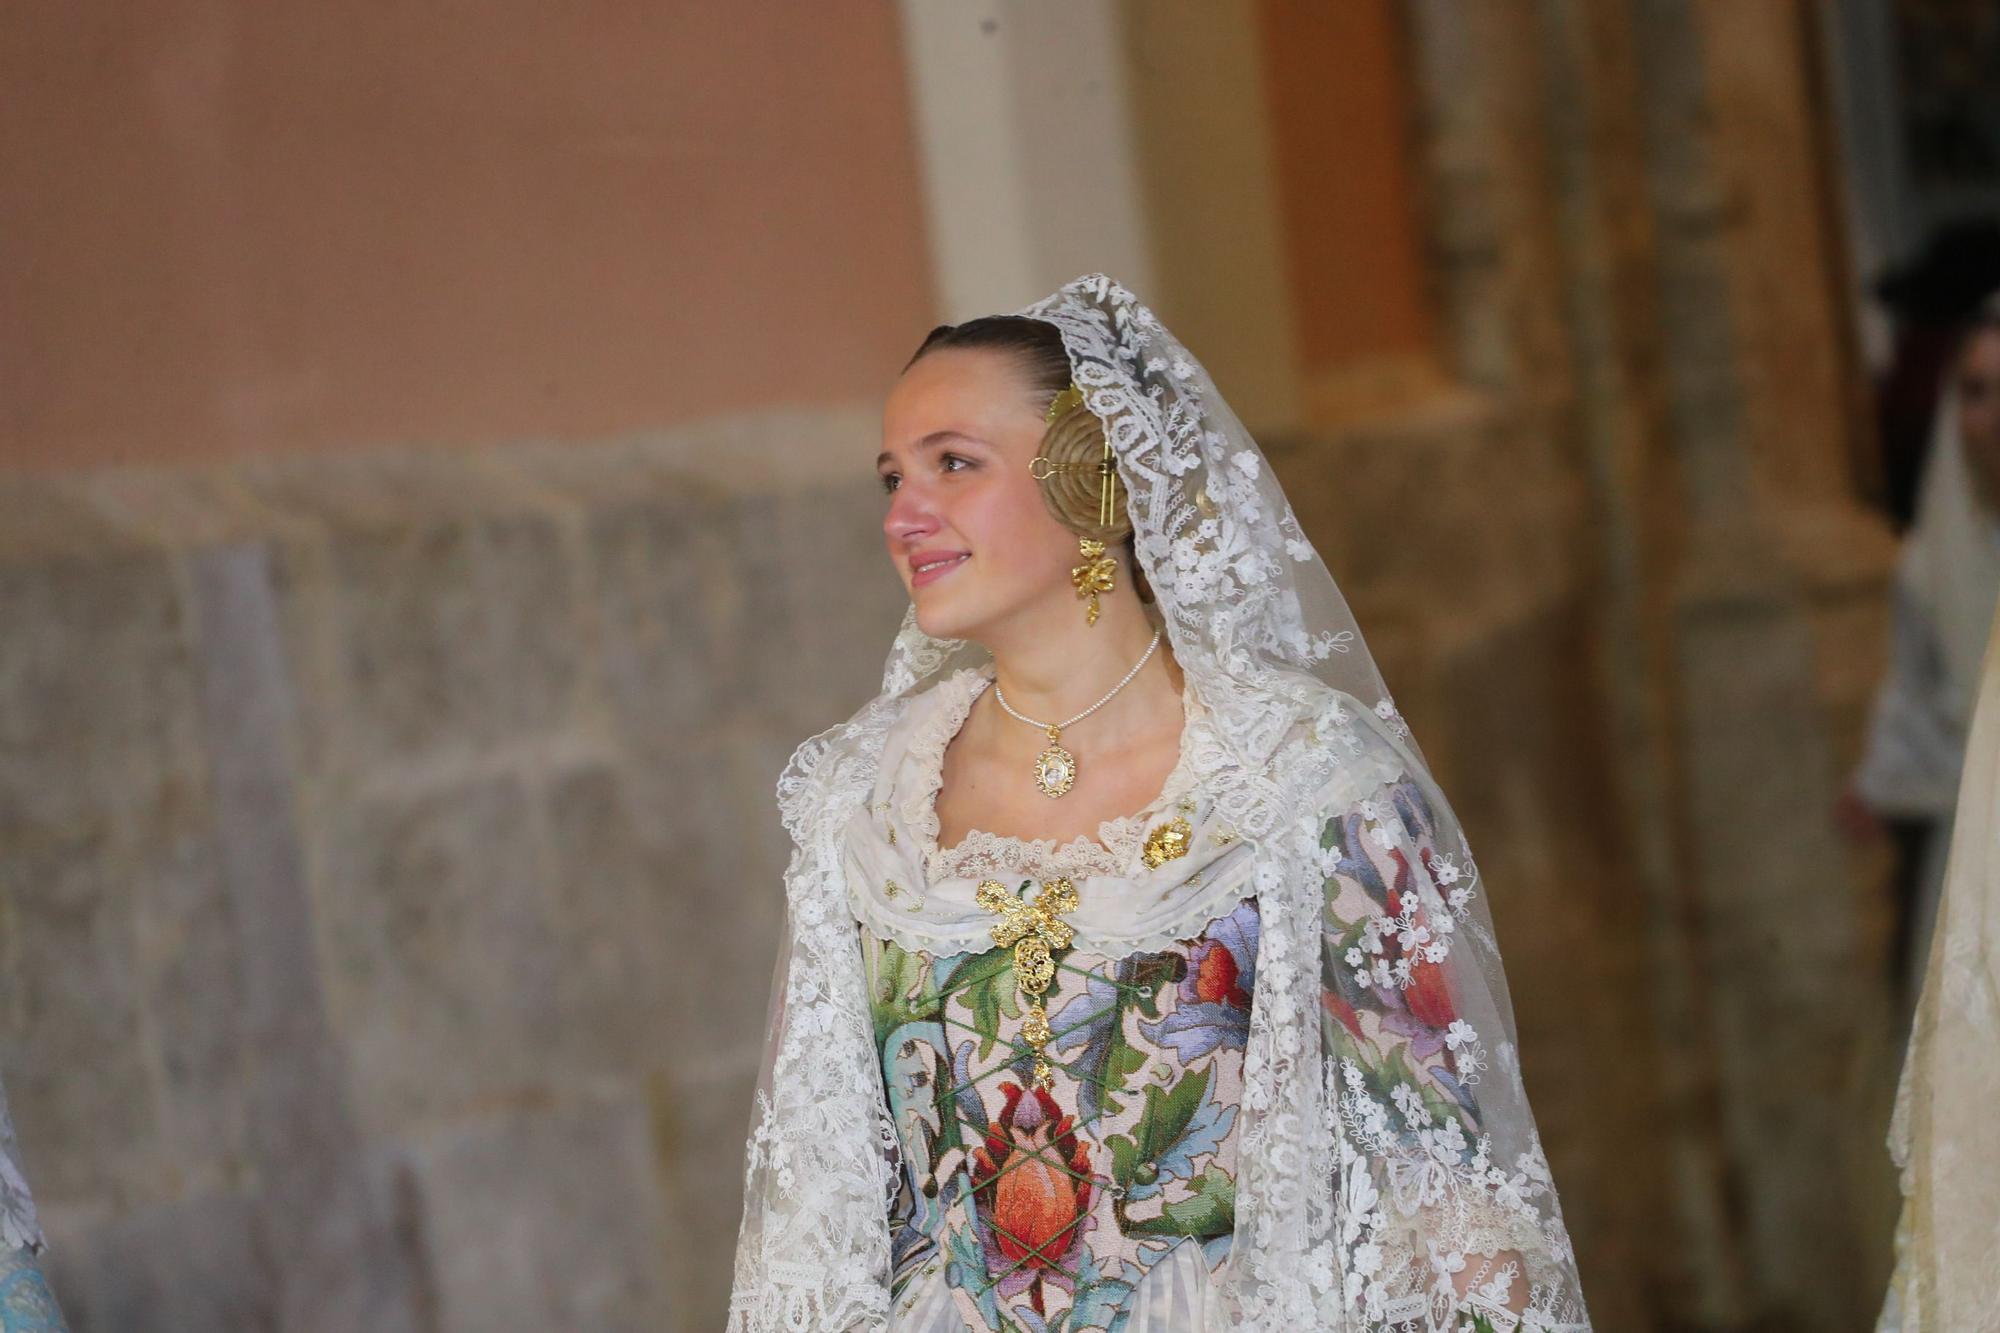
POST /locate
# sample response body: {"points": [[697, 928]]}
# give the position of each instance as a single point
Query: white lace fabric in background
{"points": [[1945, 1136]]}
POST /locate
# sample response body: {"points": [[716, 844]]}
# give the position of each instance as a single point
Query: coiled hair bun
{"points": [[1072, 481]]}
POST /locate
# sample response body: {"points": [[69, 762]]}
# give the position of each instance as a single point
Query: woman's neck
{"points": [[1057, 666]]}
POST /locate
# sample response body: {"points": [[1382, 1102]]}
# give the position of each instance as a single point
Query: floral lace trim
{"points": [[979, 854]]}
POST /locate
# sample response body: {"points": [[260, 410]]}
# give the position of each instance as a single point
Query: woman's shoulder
{"points": [[1338, 749], [855, 755]]}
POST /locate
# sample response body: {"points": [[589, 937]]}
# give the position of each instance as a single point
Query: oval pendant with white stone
{"points": [[1055, 770]]}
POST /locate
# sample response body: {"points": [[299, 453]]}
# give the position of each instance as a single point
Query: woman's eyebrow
{"points": [[932, 440]]}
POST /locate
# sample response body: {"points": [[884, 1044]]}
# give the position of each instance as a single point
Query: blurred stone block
{"points": [[189, 975], [97, 704], [700, 1121], [549, 1220], [435, 921], [193, 1266], [674, 614], [440, 637], [72, 995], [819, 588]]}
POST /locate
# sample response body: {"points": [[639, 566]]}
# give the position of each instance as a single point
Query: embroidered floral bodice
{"points": [[1107, 1196], [1107, 1193]]}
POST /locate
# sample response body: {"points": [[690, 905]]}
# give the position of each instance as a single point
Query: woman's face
{"points": [[966, 525], [1979, 412]]}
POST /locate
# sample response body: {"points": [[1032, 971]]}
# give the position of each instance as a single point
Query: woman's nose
{"points": [[910, 516]]}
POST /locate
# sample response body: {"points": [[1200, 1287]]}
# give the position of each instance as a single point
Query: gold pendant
{"points": [[1055, 767]]}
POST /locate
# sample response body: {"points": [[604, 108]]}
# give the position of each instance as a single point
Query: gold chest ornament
{"points": [[1036, 931]]}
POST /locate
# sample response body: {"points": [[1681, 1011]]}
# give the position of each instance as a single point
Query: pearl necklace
{"points": [[1055, 767]]}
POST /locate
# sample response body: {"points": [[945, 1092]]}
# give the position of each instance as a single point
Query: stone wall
{"points": [[389, 875]]}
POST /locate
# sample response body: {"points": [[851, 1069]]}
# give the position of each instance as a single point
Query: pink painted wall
{"points": [[230, 226]]}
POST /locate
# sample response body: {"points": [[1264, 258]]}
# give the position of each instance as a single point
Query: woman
{"points": [[1946, 585], [1136, 974]]}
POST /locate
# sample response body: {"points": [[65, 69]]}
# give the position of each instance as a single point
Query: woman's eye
{"points": [[949, 459], [889, 480]]}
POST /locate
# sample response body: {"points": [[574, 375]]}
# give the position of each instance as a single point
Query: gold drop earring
{"points": [[1095, 575], [1098, 572]]}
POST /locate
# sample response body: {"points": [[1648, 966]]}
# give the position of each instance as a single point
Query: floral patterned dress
{"points": [[1106, 1198]]}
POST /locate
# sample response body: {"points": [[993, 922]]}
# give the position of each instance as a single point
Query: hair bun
{"points": [[1072, 477]]}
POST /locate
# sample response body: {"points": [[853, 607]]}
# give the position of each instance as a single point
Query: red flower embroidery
{"points": [[1428, 996], [1032, 1204], [1215, 976], [1338, 1006]]}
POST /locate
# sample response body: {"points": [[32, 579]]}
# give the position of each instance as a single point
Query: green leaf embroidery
{"points": [[1161, 1124], [897, 994], [1209, 1211], [984, 984], [1095, 1022]]}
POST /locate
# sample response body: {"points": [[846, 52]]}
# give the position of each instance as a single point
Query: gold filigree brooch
{"points": [[1168, 842]]}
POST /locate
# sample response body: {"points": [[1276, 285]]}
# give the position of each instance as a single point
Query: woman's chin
{"points": [[939, 625], [939, 619]]}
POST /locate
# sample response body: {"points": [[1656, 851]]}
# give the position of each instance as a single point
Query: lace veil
{"points": [[1356, 1204]]}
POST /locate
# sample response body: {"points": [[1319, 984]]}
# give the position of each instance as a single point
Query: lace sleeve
{"points": [[1442, 1229]]}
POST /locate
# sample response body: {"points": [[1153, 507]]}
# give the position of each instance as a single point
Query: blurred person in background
{"points": [[1014, 1075], [26, 1303], [1943, 598], [1930, 299], [1944, 1136]]}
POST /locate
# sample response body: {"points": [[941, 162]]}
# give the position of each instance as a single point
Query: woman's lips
{"points": [[931, 571]]}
